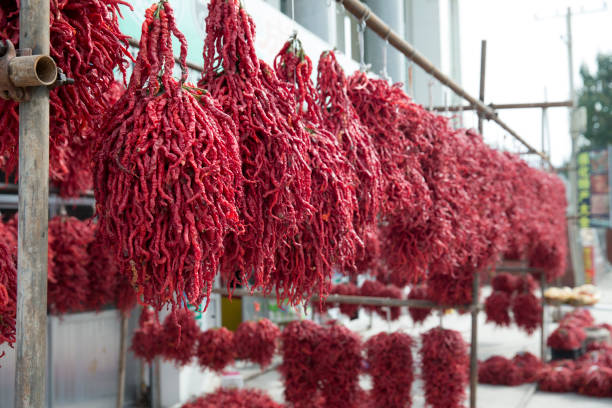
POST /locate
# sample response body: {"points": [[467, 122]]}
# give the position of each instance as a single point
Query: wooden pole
{"points": [[481, 95], [122, 359], [543, 328], [31, 345], [474, 341]]}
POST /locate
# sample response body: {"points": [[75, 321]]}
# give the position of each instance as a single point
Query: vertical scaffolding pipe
{"points": [[122, 360], [481, 95], [474, 340], [31, 365]]}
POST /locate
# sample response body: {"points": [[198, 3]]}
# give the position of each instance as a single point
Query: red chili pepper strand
{"points": [[419, 315], [390, 365], [146, 342], [69, 238], [87, 45], [328, 238], [337, 366], [505, 282], [234, 398], [340, 118], [215, 349], [298, 367], [256, 342], [179, 337], [497, 308], [527, 310], [445, 366], [274, 149], [167, 173]]}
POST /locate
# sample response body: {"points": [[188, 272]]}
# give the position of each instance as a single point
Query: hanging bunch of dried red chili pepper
{"points": [[146, 342], [337, 367], [299, 341], [234, 398], [274, 147], [445, 362], [389, 358], [497, 308], [340, 118], [556, 379], [167, 174], [103, 273], [328, 238], [256, 341], [527, 311], [215, 349], [505, 282], [419, 292], [68, 287], [87, 45], [179, 337], [346, 289], [377, 289]]}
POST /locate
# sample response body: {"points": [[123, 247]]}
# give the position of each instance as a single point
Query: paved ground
{"points": [[492, 341]]}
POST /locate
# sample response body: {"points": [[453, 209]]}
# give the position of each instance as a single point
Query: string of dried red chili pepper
{"points": [[328, 238], [234, 398], [256, 341], [146, 342], [444, 368], [179, 337], [8, 285], [215, 349], [167, 174], [87, 45], [340, 118], [390, 364], [274, 148]]}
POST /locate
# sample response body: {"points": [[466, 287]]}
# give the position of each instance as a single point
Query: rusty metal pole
{"points": [[31, 348], [474, 340], [481, 95]]}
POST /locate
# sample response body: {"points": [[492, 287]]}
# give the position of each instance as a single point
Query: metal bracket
{"points": [[7, 89], [20, 70]]}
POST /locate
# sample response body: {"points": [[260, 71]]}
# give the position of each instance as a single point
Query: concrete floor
{"points": [[492, 340]]}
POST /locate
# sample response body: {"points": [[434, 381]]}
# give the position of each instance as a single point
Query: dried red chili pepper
{"points": [[87, 45], [556, 379], [444, 367], [567, 336], [505, 282], [578, 317], [167, 174], [340, 118], [146, 340], [419, 315], [274, 147], [328, 238], [69, 239], [234, 398], [529, 366], [256, 341], [346, 289], [595, 381], [497, 308], [215, 349], [179, 337], [390, 365], [8, 285], [499, 370], [527, 311], [377, 289], [299, 341], [526, 283], [337, 366]]}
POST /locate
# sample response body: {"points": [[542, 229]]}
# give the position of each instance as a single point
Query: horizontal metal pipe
{"points": [[32, 70], [363, 12], [494, 106], [357, 300]]}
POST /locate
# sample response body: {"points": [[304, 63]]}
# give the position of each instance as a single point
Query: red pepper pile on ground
{"points": [[445, 366], [390, 364], [87, 45], [234, 398], [498, 370], [167, 173]]}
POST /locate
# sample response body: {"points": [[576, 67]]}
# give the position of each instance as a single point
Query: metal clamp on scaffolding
{"points": [[19, 69]]}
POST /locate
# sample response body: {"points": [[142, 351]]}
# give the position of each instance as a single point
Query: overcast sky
{"points": [[528, 55]]}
